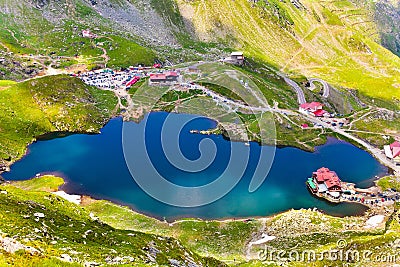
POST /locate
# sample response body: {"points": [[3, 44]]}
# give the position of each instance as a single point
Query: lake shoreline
{"points": [[73, 189], [49, 136], [62, 191]]}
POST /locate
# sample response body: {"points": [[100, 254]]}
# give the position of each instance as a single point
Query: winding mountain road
{"points": [[300, 94], [376, 152], [324, 84], [232, 104]]}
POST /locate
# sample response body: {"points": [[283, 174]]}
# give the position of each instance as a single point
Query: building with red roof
{"points": [[392, 151], [132, 82], [328, 179], [320, 113], [88, 34], [158, 78], [170, 76], [311, 107]]}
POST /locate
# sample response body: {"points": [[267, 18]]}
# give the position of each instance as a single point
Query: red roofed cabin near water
{"points": [[329, 178]]}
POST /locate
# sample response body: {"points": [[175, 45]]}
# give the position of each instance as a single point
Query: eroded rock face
{"points": [[138, 18], [386, 14]]}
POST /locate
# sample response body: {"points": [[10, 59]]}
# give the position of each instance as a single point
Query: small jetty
{"points": [[204, 132], [326, 184]]}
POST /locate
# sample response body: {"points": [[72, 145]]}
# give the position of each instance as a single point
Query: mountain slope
{"points": [[334, 40], [42, 229], [386, 14], [338, 41]]}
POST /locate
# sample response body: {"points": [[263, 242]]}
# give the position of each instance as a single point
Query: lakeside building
{"points": [[326, 184], [392, 151], [325, 181]]}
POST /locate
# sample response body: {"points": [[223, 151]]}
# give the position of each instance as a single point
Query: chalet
{"points": [[320, 113], [167, 77], [313, 108], [325, 182], [392, 151], [172, 76], [193, 69], [236, 58]]}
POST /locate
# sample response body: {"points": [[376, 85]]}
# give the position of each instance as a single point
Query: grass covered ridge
{"points": [[319, 39], [101, 231], [52, 103], [65, 228]]}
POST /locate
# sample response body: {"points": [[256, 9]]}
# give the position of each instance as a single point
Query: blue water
{"points": [[94, 165]]}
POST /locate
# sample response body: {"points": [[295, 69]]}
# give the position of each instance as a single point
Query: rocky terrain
{"points": [[386, 14]]}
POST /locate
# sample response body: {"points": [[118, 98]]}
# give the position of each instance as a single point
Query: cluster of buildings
{"points": [[109, 79], [326, 184], [314, 108], [392, 151], [325, 181]]}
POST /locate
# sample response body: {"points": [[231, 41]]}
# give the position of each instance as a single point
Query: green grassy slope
{"points": [[300, 231], [52, 103], [66, 228], [386, 14], [334, 40], [57, 36]]}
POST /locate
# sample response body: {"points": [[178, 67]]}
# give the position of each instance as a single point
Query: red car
{"points": [[157, 66]]}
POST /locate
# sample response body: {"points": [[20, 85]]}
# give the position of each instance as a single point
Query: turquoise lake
{"points": [[94, 165]]}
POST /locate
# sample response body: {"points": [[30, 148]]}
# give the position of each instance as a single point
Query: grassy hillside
{"points": [[51, 35], [53, 103], [386, 14], [333, 40], [57, 229], [105, 233]]}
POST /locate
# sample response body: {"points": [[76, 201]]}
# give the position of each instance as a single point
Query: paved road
{"points": [[300, 94], [376, 152], [324, 84], [219, 99]]}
